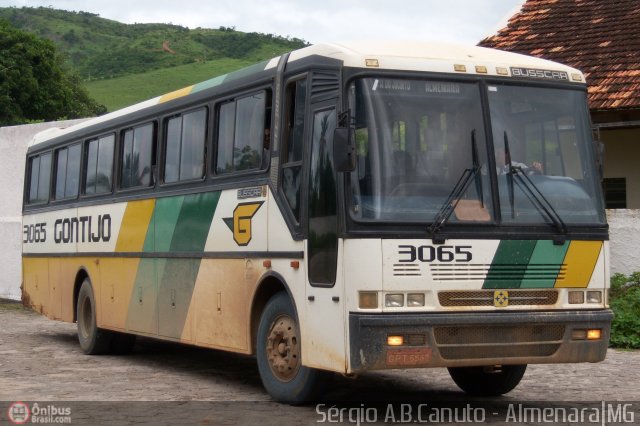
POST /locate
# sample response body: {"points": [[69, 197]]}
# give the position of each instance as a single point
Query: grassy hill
{"points": [[119, 92], [126, 63]]}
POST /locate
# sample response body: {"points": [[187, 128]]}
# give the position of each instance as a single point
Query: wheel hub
{"points": [[283, 348]]}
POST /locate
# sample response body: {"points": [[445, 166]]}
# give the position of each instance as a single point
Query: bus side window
{"points": [[137, 156], [243, 133], [67, 172], [185, 144], [292, 149], [99, 165], [40, 175]]}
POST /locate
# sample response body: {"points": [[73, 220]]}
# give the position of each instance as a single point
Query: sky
{"points": [[455, 21]]}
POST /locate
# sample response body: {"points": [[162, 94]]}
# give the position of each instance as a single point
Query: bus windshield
{"points": [[548, 138], [417, 139]]}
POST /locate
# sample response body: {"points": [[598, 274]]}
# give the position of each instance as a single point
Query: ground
{"points": [[40, 360]]}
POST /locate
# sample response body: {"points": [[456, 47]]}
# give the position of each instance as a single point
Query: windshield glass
{"points": [[415, 141], [549, 141]]}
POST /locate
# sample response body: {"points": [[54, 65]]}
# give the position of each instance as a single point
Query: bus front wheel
{"points": [[487, 381], [279, 355], [93, 340]]}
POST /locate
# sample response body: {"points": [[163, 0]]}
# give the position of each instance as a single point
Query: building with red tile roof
{"points": [[602, 39]]}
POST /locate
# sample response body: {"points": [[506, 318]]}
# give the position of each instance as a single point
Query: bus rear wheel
{"points": [[489, 380], [93, 340], [279, 355]]}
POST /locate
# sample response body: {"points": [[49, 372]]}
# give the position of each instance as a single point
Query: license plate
{"points": [[404, 357]]}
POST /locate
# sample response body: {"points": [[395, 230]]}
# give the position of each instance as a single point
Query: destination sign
{"points": [[538, 73]]}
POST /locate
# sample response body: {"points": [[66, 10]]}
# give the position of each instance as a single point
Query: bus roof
{"points": [[396, 55]]}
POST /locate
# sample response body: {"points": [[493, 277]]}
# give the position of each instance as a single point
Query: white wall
{"points": [[13, 148], [624, 232]]}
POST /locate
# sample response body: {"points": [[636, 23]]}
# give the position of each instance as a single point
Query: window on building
{"points": [[40, 177], [243, 133], [185, 146], [99, 165], [67, 172], [137, 157], [615, 193]]}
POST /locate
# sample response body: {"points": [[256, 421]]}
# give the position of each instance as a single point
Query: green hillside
{"points": [[119, 92], [125, 63]]}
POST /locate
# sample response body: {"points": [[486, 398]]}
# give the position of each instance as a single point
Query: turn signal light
{"points": [[576, 297], [368, 300], [395, 340], [594, 334]]}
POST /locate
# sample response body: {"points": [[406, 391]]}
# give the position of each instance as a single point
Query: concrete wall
{"points": [[624, 233], [621, 154], [13, 148]]}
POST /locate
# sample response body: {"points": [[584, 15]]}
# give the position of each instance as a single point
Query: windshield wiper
{"points": [[468, 175], [529, 188]]}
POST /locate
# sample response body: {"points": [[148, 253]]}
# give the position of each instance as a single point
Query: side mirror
{"points": [[344, 149]]}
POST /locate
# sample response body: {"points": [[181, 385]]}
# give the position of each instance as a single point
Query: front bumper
{"points": [[468, 339]]}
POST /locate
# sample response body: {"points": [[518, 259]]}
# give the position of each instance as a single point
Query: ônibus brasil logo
{"points": [[19, 413]]}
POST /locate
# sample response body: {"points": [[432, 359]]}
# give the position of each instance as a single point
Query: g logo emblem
{"points": [[240, 223], [500, 298]]}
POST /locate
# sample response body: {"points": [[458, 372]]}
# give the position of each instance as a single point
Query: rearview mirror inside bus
{"points": [[344, 152]]}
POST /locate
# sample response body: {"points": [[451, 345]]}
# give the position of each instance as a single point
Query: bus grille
{"points": [[485, 298], [483, 352], [498, 341]]}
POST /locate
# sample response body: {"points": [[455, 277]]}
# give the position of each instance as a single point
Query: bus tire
{"points": [[93, 340], [487, 381], [279, 356]]}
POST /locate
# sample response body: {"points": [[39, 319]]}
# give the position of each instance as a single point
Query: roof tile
{"points": [[600, 37]]}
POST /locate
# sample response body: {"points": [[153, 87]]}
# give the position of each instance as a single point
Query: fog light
{"points": [[576, 297], [395, 300], [594, 297], [415, 299], [578, 334], [594, 334], [395, 340], [368, 300]]}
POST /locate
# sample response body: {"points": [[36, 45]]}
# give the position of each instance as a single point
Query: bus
{"points": [[338, 209]]}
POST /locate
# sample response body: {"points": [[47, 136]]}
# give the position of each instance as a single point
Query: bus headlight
{"points": [[415, 299], [594, 297], [394, 300]]}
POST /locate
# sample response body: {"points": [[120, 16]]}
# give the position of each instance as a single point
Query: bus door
{"points": [[324, 346]]}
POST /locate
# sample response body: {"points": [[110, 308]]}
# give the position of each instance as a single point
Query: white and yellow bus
{"points": [[341, 208]]}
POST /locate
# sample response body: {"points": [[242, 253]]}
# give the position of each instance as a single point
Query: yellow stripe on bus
{"points": [[134, 226], [581, 260], [176, 94]]}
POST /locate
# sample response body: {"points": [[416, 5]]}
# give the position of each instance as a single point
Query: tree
{"points": [[34, 83]]}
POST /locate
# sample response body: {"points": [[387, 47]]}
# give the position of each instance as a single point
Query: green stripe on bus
{"points": [[247, 71], [508, 266], [194, 222], [164, 221], [142, 315], [178, 224], [216, 81], [544, 265]]}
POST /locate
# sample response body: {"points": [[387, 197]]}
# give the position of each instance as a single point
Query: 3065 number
{"points": [[410, 253], [36, 233]]}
